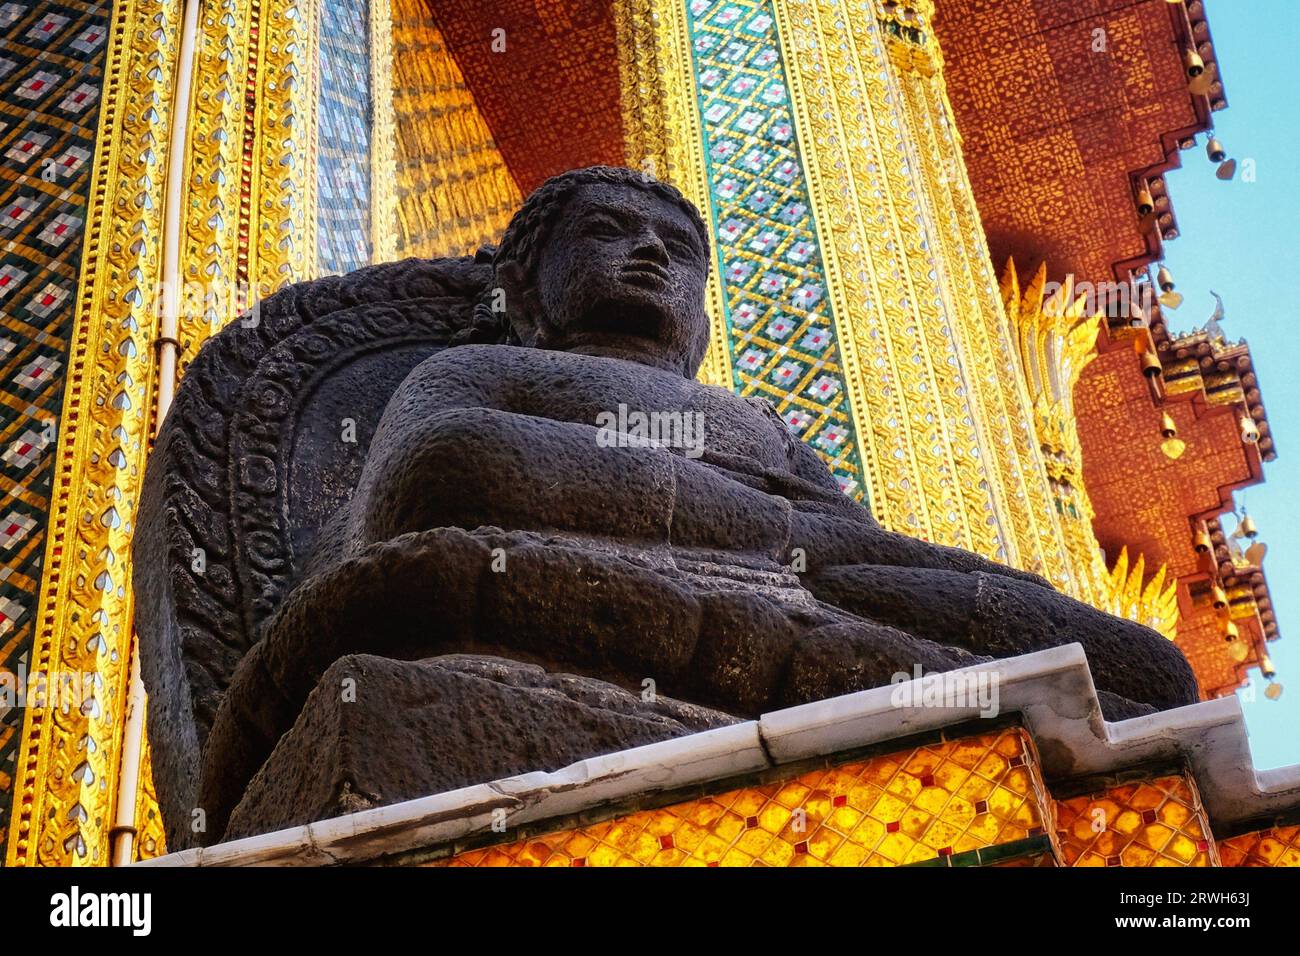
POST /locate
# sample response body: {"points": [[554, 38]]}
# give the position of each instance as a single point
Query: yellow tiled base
{"points": [[1157, 822], [933, 801], [1277, 846]]}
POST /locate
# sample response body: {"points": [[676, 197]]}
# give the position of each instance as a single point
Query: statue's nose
{"points": [[650, 247]]}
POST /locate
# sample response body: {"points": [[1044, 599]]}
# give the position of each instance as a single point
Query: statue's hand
{"points": [[828, 540]]}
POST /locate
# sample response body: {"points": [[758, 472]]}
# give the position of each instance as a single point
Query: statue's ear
{"points": [[522, 303]]}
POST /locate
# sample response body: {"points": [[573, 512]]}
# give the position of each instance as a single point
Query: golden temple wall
{"points": [[69, 759], [248, 218]]}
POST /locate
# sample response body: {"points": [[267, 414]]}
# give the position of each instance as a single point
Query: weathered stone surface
{"points": [[444, 723], [492, 508]]}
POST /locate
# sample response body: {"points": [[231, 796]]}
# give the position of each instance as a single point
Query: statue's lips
{"points": [[645, 274]]}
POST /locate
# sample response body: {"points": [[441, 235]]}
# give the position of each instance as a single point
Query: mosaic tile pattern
{"points": [[937, 801], [343, 175], [778, 316], [1157, 822], [51, 66], [1053, 129], [1276, 846]]}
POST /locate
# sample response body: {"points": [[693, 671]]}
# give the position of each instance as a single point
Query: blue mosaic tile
{"points": [[780, 325]]}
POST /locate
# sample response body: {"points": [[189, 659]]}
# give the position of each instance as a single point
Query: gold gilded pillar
{"points": [[247, 228], [383, 135], [249, 222], [929, 449], [969, 292], [68, 762]]}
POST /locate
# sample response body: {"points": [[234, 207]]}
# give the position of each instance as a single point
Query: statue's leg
{"points": [[741, 650], [1003, 617], [553, 602], [377, 602], [756, 653], [846, 657]]}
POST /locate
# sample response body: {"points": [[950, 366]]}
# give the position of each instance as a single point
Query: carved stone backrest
{"points": [[261, 448]]}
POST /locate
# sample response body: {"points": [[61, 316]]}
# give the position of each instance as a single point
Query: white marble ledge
{"points": [[1051, 689]]}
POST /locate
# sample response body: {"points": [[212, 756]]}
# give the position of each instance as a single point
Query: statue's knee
{"points": [[1126, 658]]}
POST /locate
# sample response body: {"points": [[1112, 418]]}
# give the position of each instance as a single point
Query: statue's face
{"points": [[623, 275]]}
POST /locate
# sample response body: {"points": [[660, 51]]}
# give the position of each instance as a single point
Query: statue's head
{"points": [[607, 261]]}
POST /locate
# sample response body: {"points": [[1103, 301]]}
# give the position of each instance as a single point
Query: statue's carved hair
{"points": [[525, 236]]}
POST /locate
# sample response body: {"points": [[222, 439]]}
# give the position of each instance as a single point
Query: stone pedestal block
{"points": [[377, 731]]}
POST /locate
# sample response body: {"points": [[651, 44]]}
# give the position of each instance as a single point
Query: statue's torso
{"points": [[525, 439], [588, 390]]}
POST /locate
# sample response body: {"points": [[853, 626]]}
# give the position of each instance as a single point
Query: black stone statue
{"points": [[397, 535]]}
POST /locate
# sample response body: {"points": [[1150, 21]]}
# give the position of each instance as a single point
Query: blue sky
{"points": [[1240, 239]]}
